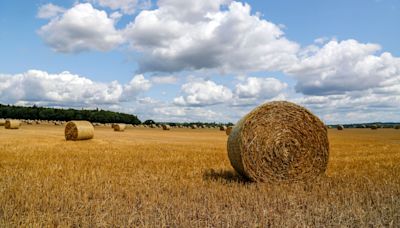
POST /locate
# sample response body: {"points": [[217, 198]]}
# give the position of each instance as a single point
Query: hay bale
{"points": [[79, 130], [222, 128], [340, 127], [228, 130], [279, 142], [2, 122], [397, 127], [166, 127], [374, 127], [119, 127], [12, 124], [194, 126]]}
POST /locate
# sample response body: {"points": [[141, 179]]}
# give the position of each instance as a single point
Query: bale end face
{"points": [[79, 130], [119, 127], [279, 142]]}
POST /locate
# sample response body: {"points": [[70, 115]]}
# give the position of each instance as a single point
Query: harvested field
{"points": [[183, 178]]}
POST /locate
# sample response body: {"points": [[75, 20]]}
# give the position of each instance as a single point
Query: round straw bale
{"points": [[79, 130], [194, 126], [279, 142], [397, 127], [166, 127], [119, 127], [12, 124], [340, 127], [2, 122], [374, 127], [228, 130], [222, 128]]}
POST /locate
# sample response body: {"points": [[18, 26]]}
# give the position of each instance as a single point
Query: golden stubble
{"points": [[183, 178]]}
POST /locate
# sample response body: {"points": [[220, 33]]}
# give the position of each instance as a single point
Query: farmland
{"points": [[182, 177]]}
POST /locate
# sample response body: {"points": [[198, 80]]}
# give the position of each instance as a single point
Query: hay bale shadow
{"points": [[228, 176]]}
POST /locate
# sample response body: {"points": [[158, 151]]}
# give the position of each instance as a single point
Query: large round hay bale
{"points": [[12, 124], [279, 141], [228, 130], [2, 122], [340, 127], [166, 127], [79, 130], [119, 127]]}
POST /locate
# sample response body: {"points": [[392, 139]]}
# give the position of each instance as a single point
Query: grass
{"points": [[183, 178]]}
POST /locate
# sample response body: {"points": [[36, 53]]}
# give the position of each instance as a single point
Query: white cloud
{"points": [[125, 6], [164, 79], [135, 86], [81, 28], [339, 67], [202, 93], [65, 89], [49, 10], [204, 37], [265, 88]]}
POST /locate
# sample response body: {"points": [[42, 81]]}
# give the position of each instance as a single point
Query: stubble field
{"points": [[183, 178]]}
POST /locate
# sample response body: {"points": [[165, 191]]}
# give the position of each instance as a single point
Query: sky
{"points": [[209, 60]]}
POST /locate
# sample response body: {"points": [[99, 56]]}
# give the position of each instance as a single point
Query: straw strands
{"points": [[279, 142], [79, 130], [12, 124]]}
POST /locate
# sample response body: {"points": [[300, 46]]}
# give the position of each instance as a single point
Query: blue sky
{"points": [[176, 60]]}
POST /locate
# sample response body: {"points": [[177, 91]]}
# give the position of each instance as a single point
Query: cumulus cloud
{"points": [[254, 87], [81, 28], [203, 36], [164, 79], [202, 93], [62, 89], [49, 10], [338, 67], [125, 6], [135, 86]]}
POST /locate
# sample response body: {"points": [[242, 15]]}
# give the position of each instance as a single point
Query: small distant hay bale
{"points": [[228, 130], [222, 128], [374, 127], [279, 142], [79, 130], [194, 126], [12, 124], [166, 127], [397, 127], [2, 122], [119, 127], [340, 127]]}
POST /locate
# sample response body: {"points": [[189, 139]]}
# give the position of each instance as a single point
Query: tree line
{"points": [[41, 113]]}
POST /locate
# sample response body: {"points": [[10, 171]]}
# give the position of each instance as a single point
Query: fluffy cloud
{"points": [[339, 67], [201, 93], [265, 88], [49, 10], [125, 6], [164, 79], [81, 28], [203, 36], [135, 86], [65, 89]]}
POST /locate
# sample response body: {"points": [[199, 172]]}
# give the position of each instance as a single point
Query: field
{"points": [[183, 178]]}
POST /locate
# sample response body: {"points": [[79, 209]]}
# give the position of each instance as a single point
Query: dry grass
{"points": [[183, 178]]}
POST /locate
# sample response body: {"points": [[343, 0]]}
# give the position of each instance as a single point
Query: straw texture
{"points": [[2, 122], [279, 142], [166, 127], [12, 124], [79, 130], [228, 130], [119, 127]]}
